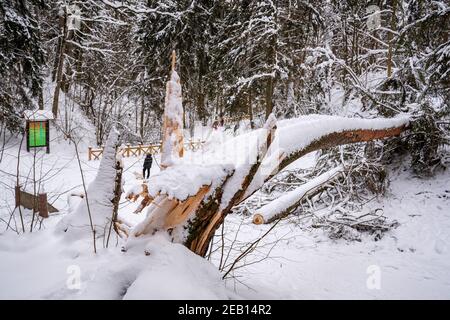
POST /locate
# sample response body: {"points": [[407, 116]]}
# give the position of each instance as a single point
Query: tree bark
{"points": [[141, 127], [269, 96], [116, 200], [250, 108], [59, 71], [389, 58]]}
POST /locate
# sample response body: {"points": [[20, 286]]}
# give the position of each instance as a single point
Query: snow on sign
{"points": [[37, 128]]}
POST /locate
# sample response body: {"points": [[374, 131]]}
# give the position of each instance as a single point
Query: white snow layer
{"points": [[184, 180], [174, 272], [173, 103], [43, 266], [295, 134]]}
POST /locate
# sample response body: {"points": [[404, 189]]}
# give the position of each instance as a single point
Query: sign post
{"points": [[38, 128]]}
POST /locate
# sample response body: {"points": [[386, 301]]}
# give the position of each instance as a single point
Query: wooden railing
{"points": [[129, 150]]}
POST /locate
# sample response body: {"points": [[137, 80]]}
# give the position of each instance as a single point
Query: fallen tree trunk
{"points": [[207, 210], [341, 138], [200, 235], [284, 205], [190, 200], [327, 141]]}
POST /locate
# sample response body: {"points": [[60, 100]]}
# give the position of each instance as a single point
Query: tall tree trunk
{"points": [[390, 37], [272, 60], [250, 108], [201, 96], [59, 71], [41, 99], [141, 126], [269, 96]]}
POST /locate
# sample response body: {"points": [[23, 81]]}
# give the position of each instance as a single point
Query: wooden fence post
{"points": [[27, 134], [90, 153], [42, 205], [47, 135], [17, 194]]}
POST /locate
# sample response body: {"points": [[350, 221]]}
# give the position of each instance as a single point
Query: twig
{"points": [[250, 248], [18, 182], [85, 192]]}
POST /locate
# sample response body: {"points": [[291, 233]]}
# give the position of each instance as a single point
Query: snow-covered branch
{"points": [[284, 205]]}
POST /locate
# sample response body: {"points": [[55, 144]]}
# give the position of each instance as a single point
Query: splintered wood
{"points": [[181, 213]]}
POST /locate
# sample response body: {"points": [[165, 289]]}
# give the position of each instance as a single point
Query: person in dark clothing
{"points": [[147, 165]]}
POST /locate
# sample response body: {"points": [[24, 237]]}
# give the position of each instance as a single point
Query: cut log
{"points": [[285, 204]]}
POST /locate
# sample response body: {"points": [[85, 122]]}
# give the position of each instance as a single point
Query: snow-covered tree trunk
{"points": [[284, 205], [172, 144], [98, 203]]}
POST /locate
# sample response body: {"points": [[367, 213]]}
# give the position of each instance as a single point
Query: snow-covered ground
{"points": [[411, 261]]}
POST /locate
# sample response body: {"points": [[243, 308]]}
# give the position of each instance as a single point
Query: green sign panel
{"points": [[37, 136]]}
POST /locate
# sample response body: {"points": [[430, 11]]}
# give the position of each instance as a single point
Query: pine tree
{"points": [[21, 60]]}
